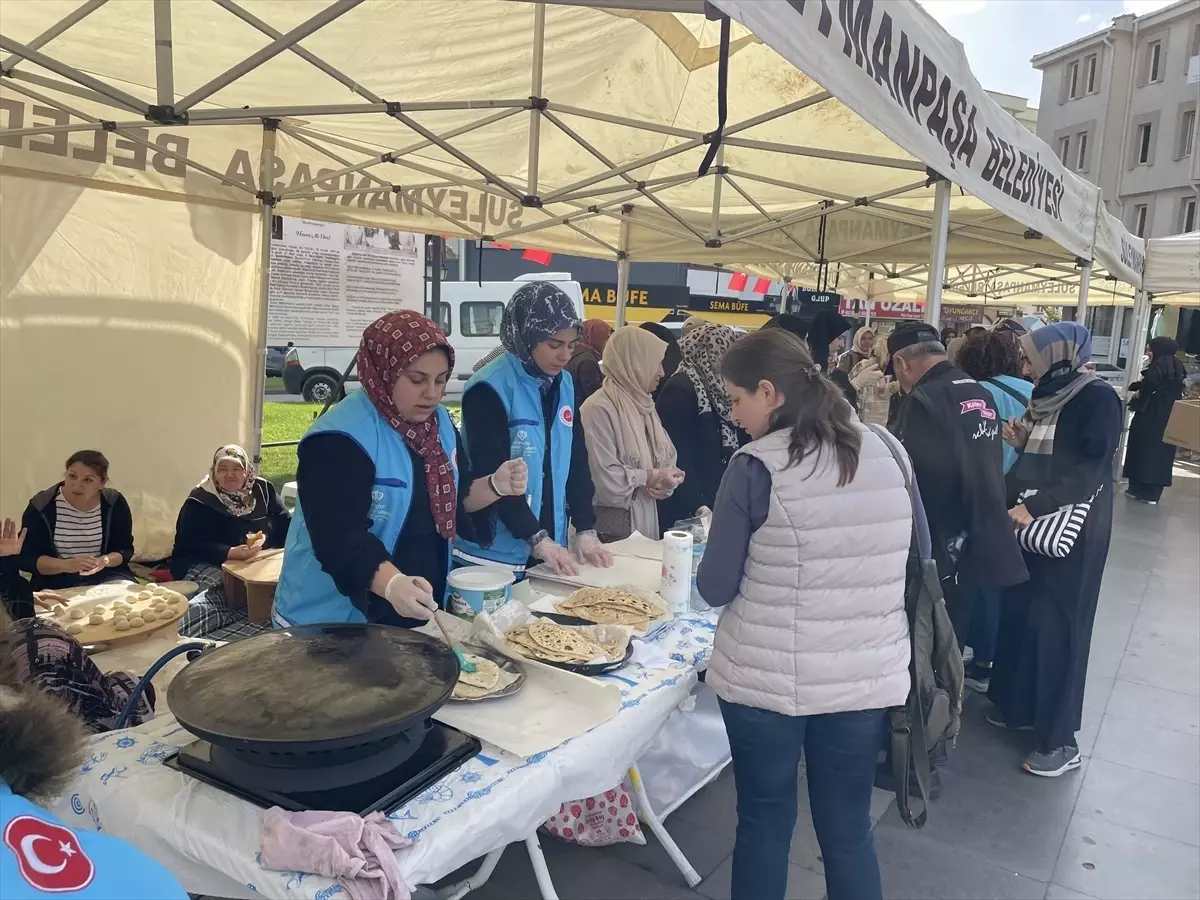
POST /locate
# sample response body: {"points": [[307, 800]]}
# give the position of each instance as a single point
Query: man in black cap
{"points": [[950, 427]]}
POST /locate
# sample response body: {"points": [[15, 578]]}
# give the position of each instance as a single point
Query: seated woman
{"points": [[522, 405], [40, 752], [383, 487], [78, 532], [695, 412], [215, 523], [631, 458]]}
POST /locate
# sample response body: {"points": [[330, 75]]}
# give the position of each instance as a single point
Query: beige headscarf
{"points": [[631, 357]]}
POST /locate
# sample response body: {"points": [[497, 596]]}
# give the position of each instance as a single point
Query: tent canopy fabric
{"points": [[1173, 264], [417, 114]]}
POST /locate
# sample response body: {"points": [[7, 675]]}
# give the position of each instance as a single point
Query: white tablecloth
{"points": [[210, 839]]}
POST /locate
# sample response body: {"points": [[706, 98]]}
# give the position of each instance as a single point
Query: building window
{"points": [[480, 319], [1064, 149], [1089, 77], [1187, 214], [1139, 220], [1081, 151], [1187, 128], [1154, 62], [1073, 80], [1143, 143]]}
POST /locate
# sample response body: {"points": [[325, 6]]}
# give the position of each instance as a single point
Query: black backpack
{"points": [[933, 711]]}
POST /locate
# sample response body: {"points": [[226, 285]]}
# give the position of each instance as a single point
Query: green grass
{"points": [[288, 422]]}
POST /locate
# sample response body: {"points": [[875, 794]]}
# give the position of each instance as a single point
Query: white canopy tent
{"points": [[145, 146]]}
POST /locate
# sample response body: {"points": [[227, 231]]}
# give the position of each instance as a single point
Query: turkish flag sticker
{"points": [[48, 856]]}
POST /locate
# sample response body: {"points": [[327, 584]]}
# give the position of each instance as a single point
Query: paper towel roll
{"points": [[676, 587]]}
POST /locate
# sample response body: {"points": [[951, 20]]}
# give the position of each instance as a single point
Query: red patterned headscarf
{"points": [[390, 345]]}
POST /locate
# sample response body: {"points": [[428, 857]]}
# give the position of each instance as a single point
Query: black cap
{"points": [[905, 335]]}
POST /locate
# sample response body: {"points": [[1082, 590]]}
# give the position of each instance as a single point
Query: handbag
{"points": [[1054, 534]]}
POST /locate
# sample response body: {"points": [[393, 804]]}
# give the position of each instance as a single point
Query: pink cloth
{"points": [[359, 852]]}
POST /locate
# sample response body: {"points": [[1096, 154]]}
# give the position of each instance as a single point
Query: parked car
{"points": [[275, 360], [470, 316]]}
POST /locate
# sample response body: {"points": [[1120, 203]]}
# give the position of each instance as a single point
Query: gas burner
{"points": [[381, 781]]}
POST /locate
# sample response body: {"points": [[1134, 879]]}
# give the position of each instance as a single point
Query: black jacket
{"points": [[698, 449], [1147, 459], [38, 521], [205, 529], [949, 425]]}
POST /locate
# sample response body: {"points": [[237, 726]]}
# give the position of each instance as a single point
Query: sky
{"points": [[1001, 36]]}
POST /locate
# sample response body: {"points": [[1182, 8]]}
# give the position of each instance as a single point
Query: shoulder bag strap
{"points": [[1012, 392]]}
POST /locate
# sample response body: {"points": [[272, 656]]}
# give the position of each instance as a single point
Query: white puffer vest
{"points": [[818, 625]]}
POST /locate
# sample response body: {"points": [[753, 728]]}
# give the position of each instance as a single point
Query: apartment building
{"points": [[1119, 107]]}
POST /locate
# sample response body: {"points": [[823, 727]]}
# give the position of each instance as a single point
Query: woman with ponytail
{"points": [[808, 548]]}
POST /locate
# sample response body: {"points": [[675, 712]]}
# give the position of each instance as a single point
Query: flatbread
{"points": [[486, 675], [551, 642], [610, 606]]}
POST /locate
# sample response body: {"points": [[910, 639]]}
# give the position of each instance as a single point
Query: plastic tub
{"points": [[476, 589]]}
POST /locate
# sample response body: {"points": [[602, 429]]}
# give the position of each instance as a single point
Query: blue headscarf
{"points": [[536, 311]]}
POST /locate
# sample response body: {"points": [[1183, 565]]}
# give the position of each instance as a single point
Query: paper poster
{"points": [[330, 281]]}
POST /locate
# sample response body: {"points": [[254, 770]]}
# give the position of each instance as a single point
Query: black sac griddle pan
{"points": [[315, 694]]}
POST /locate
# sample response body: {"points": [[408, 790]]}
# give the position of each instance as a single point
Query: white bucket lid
{"points": [[480, 578]]}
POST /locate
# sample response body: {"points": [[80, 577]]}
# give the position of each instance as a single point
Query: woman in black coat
{"points": [[1067, 441], [696, 414], [221, 521], [1148, 460]]}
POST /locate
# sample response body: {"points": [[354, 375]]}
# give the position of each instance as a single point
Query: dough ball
{"points": [[76, 612], [95, 619], [120, 617], [173, 598], [144, 595], [98, 609], [149, 615], [136, 622], [159, 589], [121, 624], [75, 628]]}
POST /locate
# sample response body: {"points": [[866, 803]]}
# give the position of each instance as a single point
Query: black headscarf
{"points": [[825, 328], [1162, 358], [791, 323], [674, 355]]}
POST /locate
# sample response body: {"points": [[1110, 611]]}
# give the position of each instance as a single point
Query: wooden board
{"points": [[107, 595], [263, 568]]}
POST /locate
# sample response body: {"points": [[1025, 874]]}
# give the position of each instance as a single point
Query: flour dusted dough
{"points": [[149, 615], [121, 625], [76, 612], [95, 619], [75, 628], [137, 622]]}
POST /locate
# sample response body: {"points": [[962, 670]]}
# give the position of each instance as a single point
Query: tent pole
{"points": [[623, 266], [714, 230], [164, 69], [1133, 362], [54, 31], [535, 113], [937, 253], [1114, 343], [1085, 284], [267, 198]]}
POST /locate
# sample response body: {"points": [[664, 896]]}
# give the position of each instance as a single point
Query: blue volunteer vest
{"points": [[42, 858], [521, 394], [306, 595]]}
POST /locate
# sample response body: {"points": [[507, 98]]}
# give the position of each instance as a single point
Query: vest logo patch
{"points": [[979, 406], [48, 856], [566, 416]]}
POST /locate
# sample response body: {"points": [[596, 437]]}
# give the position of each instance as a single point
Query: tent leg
{"points": [[623, 267], [258, 383], [937, 254], [535, 114], [1114, 342], [164, 70], [1085, 284], [1133, 362]]}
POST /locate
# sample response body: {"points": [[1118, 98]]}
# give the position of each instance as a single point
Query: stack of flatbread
{"points": [[486, 679], [610, 606], [554, 643]]}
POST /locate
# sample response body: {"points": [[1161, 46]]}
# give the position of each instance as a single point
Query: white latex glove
{"points": [[511, 478], [411, 597], [556, 555], [866, 375], [590, 551]]}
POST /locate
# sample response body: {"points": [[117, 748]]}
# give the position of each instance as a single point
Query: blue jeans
{"points": [[841, 749], [985, 623]]}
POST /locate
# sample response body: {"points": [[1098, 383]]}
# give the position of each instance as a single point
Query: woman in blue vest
{"points": [[522, 405], [381, 481]]}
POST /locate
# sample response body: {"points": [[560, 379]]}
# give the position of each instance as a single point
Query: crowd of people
{"points": [[573, 435]]}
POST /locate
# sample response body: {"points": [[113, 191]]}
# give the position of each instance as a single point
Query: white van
{"points": [[470, 314]]}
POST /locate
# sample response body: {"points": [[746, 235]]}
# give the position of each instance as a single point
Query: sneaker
{"points": [[977, 677], [995, 718], [968, 654], [1054, 763], [1135, 497]]}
